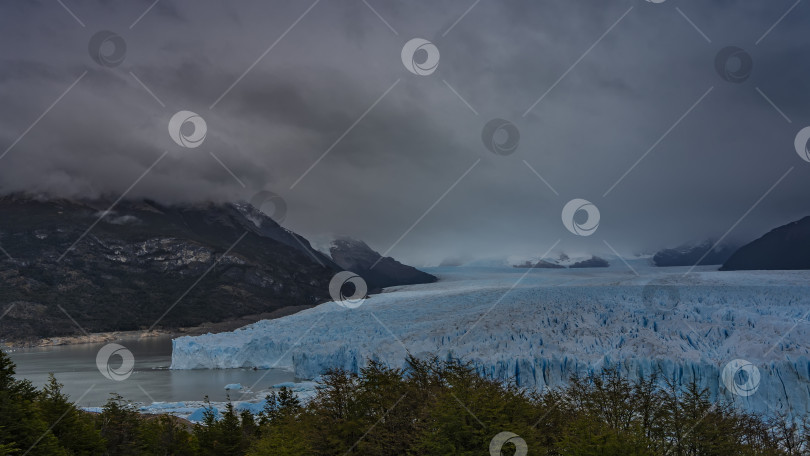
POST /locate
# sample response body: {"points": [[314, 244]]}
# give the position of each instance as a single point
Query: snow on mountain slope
{"points": [[540, 329]]}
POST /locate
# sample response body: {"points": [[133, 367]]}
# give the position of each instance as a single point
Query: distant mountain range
{"points": [[65, 269], [784, 248], [690, 254], [593, 262], [542, 264], [564, 261]]}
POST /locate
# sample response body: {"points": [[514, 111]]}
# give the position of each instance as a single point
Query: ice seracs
{"points": [[540, 329]]}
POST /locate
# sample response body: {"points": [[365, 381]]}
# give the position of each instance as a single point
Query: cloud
{"points": [[387, 168]]}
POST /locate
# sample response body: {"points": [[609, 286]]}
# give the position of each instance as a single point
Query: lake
{"points": [[151, 380]]}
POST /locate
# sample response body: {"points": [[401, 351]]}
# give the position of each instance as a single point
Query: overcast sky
{"points": [[616, 78]]}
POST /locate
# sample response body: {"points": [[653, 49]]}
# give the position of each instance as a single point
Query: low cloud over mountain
{"points": [[326, 115]]}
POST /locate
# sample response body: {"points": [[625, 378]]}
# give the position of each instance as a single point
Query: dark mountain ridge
{"points": [[542, 264], [146, 265], [378, 272], [783, 248], [592, 262]]}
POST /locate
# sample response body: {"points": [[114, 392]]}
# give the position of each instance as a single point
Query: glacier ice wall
{"points": [[539, 327]]}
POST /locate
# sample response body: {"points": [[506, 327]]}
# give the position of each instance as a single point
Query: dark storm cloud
{"points": [[421, 137]]}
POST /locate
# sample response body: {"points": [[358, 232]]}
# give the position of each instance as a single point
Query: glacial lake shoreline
{"points": [[150, 381]]}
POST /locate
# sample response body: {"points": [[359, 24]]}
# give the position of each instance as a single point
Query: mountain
{"points": [[378, 272], [564, 261], [784, 248], [593, 262], [451, 263], [146, 264], [689, 255], [542, 264]]}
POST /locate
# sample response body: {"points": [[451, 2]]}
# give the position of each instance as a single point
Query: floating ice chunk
{"points": [[199, 414]]}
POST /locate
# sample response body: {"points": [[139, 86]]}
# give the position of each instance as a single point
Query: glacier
{"points": [[538, 327]]}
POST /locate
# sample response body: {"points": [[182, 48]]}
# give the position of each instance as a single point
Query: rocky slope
{"points": [[784, 248], [378, 272], [143, 260]]}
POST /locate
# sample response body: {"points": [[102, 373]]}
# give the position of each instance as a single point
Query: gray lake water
{"points": [[151, 380]]}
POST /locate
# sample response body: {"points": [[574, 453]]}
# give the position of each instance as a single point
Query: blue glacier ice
{"points": [[538, 327]]}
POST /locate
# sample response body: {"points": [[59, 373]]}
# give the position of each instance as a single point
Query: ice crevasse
{"points": [[549, 326]]}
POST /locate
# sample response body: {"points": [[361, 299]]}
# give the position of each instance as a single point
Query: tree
{"points": [[278, 406], [283, 426], [22, 427], [337, 424], [224, 436], [164, 435], [119, 426], [75, 429], [430, 407]]}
